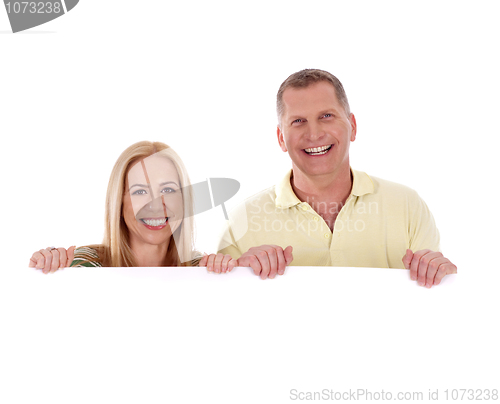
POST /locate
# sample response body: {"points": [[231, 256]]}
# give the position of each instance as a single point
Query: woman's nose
{"points": [[157, 204]]}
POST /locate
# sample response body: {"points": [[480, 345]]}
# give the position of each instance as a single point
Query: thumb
{"points": [[407, 258], [203, 261], [288, 254], [243, 261], [71, 255], [233, 263]]}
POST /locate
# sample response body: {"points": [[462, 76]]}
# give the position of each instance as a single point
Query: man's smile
{"points": [[318, 151]]}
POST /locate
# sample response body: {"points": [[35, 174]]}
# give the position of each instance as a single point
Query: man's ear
{"points": [[281, 140], [354, 127]]}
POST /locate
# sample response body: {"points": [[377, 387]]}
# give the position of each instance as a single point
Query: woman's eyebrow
{"points": [[138, 185], [145, 186]]}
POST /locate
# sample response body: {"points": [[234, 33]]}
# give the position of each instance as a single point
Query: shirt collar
{"points": [[362, 183], [286, 198]]}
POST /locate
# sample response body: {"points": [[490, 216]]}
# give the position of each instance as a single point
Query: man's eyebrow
{"points": [[294, 117], [322, 112]]}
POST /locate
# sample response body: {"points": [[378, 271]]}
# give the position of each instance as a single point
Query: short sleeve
{"points": [[227, 243], [423, 231]]}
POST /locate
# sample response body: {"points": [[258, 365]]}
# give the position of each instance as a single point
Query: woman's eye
{"points": [[140, 192], [168, 190]]}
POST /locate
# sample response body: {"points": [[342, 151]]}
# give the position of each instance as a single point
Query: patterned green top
{"points": [[86, 257], [89, 257]]}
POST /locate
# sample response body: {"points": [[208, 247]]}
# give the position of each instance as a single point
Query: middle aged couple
{"points": [[323, 212]]}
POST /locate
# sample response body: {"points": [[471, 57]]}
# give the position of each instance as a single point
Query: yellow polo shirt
{"points": [[377, 223]]}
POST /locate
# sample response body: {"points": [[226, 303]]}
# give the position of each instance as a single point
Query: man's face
{"points": [[315, 130]]}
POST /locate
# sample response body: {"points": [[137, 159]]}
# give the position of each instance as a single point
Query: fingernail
{"points": [[209, 269], [420, 283], [413, 278], [280, 272]]}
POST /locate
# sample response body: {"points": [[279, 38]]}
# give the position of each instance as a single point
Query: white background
{"points": [[421, 78]]}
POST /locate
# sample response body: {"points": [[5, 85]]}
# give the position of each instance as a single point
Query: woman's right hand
{"points": [[218, 263], [51, 259]]}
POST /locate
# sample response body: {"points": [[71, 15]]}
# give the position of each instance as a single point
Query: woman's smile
{"points": [[154, 223]]}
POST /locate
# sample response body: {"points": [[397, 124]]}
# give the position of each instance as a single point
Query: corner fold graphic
{"points": [[222, 189], [70, 4]]}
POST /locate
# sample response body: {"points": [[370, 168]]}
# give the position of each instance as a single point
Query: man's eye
{"points": [[140, 192], [327, 115], [297, 121]]}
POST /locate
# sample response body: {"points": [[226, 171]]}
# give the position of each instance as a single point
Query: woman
{"points": [[148, 218]]}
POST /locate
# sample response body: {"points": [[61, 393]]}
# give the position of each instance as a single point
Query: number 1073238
{"points": [[33, 7]]}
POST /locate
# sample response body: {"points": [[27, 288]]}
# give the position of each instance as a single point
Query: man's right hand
{"points": [[51, 259], [267, 260]]}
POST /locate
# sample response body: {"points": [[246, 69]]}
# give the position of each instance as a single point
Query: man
{"points": [[328, 213]]}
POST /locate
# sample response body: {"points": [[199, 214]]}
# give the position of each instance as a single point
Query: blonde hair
{"points": [[117, 251]]}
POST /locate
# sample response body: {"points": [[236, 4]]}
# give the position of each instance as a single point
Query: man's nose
{"points": [[314, 131]]}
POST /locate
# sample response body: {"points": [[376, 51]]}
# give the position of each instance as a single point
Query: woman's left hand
{"points": [[218, 263]]}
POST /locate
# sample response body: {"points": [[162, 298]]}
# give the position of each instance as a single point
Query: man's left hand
{"points": [[428, 267]]}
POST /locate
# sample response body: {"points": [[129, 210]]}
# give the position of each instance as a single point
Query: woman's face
{"points": [[152, 201]]}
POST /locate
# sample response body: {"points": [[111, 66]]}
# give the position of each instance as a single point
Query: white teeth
{"points": [[318, 150], [154, 222]]}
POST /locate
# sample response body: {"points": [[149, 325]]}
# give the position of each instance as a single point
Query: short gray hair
{"points": [[305, 78]]}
